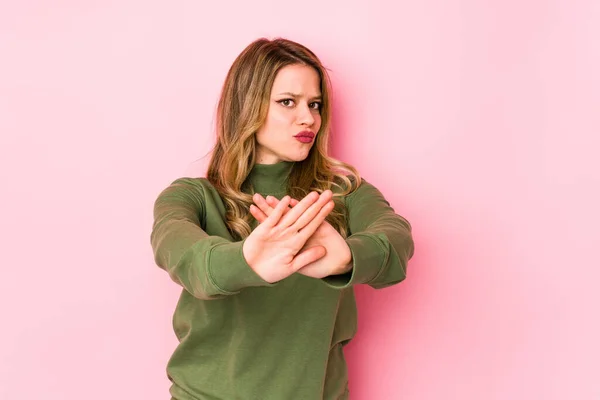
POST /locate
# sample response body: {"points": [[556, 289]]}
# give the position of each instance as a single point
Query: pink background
{"points": [[479, 120]]}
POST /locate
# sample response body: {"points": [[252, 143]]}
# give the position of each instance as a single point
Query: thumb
{"points": [[308, 256]]}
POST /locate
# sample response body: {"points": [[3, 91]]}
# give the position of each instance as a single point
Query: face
{"points": [[294, 116]]}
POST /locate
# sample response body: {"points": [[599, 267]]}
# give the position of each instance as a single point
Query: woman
{"points": [[269, 246]]}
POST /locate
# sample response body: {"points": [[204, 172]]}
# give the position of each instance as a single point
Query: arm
{"points": [[208, 267], [380, 242]]}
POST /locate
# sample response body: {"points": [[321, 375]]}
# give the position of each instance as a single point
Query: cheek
{"points": [[317, 121], [280, 117], [271, 131]]}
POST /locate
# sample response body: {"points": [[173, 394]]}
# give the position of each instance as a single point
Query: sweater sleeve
{"points": [[381, 241], [208, 267]]}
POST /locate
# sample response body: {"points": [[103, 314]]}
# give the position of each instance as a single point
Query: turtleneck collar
{"points": [[270, 178]]}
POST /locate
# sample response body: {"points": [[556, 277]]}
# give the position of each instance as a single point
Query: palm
{"points": [[338, 256]]}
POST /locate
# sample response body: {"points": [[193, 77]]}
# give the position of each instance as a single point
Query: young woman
{"points": [[269, 246]]}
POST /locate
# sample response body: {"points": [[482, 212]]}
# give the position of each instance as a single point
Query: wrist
{"points": [[346, 267]]}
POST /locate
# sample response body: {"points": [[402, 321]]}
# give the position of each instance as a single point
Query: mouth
{"points": [[303, 139], [305, 136]]}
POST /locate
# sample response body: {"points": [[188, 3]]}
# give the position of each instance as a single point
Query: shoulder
{"points": [[198, 189], [365, 192], [345, 184], [350, 186], [191, 183], [188, 184]]}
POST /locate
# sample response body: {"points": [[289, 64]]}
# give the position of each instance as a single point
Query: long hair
{"points": [[242, 110]]}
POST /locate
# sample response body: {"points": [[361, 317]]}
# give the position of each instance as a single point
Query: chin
{"points": [[297, 158], [301, 156]]}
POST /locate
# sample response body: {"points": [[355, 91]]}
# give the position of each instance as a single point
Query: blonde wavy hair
{"points": [[242, 110]]}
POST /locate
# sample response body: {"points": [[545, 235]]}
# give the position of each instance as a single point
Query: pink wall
{"points": [[479, 121]]}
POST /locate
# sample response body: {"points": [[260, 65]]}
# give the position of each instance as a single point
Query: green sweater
{"points": [[244, 338]]}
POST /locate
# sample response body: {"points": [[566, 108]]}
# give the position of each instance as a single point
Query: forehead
{"points": [[297, 78]]}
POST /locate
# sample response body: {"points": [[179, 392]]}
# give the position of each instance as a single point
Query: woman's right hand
{"points": [[273, 249]]}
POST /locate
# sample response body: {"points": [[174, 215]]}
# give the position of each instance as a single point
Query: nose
{"points": [[305, 116]]}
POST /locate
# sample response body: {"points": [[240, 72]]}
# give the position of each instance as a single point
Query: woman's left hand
{"points": [[338, 259]]}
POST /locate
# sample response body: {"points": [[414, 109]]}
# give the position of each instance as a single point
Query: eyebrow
{"points": [[295, 95]]}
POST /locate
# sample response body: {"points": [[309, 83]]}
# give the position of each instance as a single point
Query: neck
{"points": [[270, 178]]}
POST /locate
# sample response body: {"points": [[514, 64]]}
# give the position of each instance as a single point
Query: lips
{"points": [[305, 134]]}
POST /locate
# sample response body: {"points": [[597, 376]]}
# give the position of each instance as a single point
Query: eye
{"points": [[286, 102], [315, 105]]}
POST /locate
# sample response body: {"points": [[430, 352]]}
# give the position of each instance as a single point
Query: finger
{"points": [[307, 202], [313, 225], [308, 256], [277, 213], [312, 211], [258, 214], [272, 201], [263, 207], [262, 204]]}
